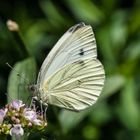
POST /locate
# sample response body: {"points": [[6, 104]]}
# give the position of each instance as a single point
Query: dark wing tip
{"points": [[76, 27]]}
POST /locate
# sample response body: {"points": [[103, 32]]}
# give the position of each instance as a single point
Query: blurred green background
{"points": [[116, 24]]}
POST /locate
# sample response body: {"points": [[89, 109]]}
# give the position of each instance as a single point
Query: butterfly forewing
{"points": [[78, 43]]}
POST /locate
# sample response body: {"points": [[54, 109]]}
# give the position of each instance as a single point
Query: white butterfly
{"points": [[71, 77]]}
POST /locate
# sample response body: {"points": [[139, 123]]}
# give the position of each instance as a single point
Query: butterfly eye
{"points": [[32, 88]]}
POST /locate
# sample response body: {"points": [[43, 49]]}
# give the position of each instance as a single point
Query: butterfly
{"points": [[71, 76]]}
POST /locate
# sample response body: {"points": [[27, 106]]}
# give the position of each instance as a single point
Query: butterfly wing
{"points": [[78, 43], [75, 86], [71, 76]]}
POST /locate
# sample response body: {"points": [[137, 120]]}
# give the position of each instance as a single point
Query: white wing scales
{"points": [[71, 77], [76, 44], [76, 86]]}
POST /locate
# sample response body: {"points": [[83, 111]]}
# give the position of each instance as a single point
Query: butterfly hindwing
{"points": [[76, 86]]}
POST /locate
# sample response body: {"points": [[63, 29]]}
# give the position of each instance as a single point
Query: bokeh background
{"points": [[116, 24]]}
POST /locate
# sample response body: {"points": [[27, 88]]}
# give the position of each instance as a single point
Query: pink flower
{"points": [[17, 131], [32, 116], [16, 119], [29, 114], [37, 122], [2, 115], [17, 104]]}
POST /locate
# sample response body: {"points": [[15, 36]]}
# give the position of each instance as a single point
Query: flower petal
{"points": [[17, 130], [17, 104], [2, 115]]}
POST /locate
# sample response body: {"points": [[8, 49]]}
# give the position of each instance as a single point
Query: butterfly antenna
{"points": [[18, 74], [9, 97], [28, 99]]}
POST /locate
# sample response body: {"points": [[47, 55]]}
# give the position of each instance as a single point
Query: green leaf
{"points": [[90, 132], [22, 74], [128, 109], [86, 10], [69, 119], [53, 13], [133, 50], [112, 84], [105, 45], [101, 113]]}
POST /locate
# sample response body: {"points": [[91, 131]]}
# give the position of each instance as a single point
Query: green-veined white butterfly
{"points": [[71, 77]]}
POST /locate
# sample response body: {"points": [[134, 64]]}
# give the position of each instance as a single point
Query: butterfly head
{"points": [[33, 89]]}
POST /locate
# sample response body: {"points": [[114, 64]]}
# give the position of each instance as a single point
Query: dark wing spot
{"points": [[79, 82], [81, 62], [76, 27], [81, 52]]}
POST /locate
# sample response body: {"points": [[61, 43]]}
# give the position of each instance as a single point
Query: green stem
{"points": [[24, 137], [21, 43], [3, 138]]}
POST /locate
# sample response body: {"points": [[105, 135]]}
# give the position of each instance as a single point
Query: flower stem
{"points": [[18, 38], [24, 137], [14, 28]]}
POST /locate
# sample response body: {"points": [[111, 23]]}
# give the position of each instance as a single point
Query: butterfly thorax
{"points": [[43, 93], [38, 93]]}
